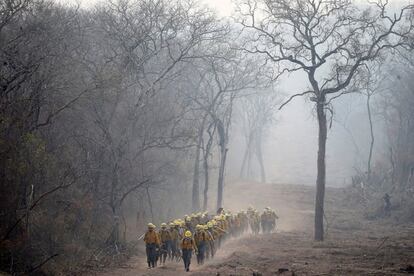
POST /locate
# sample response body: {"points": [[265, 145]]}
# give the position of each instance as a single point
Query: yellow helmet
{"points": [[177, 223], [163, 225], [172, 224], [187, 234], [205, 227], [199, 227], [151, 226], [209, 224]]}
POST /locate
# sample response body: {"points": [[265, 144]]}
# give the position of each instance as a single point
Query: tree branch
{"points": [[294, 96]]}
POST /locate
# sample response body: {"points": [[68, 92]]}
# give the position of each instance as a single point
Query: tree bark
{"points": [[195, 205], [206, 182], [220, 187], [206, 165], [150, 204], [321, 167], [223, 155], [371, 146]]}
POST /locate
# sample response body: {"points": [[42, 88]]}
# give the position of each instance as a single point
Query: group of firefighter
{"points": [[202, 234]]}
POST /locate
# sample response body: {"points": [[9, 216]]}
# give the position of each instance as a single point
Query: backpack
{"points": [[188, 243]]}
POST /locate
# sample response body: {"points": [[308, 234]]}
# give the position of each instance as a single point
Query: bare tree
{"points": [[258, 111], [91, 116], [396, 103], [330, 41], [213, 103], [207, 148], [372, 83]]}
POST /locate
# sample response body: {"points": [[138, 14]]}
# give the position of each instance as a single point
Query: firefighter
{"points": [[265, 221], [268, 220], [187, 246], [244, 221], [200, 237], [165, 239], [188, 224], [254, 221], [219, 226], [237, 225], [175, 237], [211, 236], [152, 243]]}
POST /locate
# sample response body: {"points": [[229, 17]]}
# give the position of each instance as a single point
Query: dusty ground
{"points": [[354, 246]]}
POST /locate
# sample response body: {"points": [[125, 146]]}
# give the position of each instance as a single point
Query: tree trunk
{"points": [[206, 153], [223, 154], [371, 146], [243, 166], [206, 182], [249, 171], [220, 186], [195, 206], [150, 204], [114, 207], [259, 155], [246, 157], [321, 167]]}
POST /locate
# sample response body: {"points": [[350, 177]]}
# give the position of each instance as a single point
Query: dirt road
{"points": [[354, 246]]}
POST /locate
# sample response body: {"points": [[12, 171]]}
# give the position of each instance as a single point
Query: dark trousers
{"points": [[201, 252], [187, 258], [151, 250], [165, 250]]}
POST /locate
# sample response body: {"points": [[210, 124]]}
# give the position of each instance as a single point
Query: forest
{"points": [[134, 111]]}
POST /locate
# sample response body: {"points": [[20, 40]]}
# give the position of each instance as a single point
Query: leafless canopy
{"points": [[330, 40]]}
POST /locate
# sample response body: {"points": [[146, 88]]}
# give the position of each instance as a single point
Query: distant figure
{"points": [[268, 220], [254, 219], [387, 204]]}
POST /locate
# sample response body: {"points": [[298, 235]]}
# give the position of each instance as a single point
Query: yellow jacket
{"points": [[211, 235], [200, 236], [151, 237], [188, 243], [175, 235], [165, 235]]}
